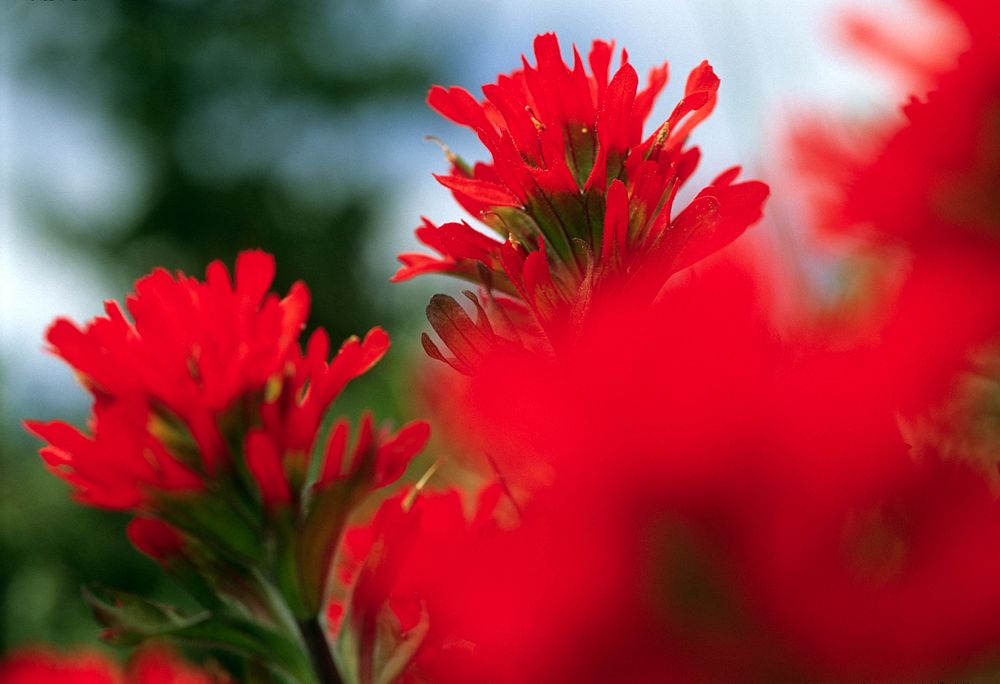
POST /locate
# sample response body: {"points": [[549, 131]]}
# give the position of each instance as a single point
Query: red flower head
{"points": [[576, 194], [166, 385], [206, 407]]}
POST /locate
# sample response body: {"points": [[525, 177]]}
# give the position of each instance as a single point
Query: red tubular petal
{"points": [[366, 436], [373, 348], [415, 264], [740, 206], [462, 241], [616, 222], [318, 348], [700, 94], [612, 122], [155, 538], [294, 312], [728, 176], [264, 463], [644, 101], [486, 192], [216, 275], [394, 455], [333, 455], [600, 64], [516, 119], [459, 106], [407, 610], [254, 274]]}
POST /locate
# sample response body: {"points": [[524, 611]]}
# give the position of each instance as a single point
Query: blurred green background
{"points": [[142, 133]]}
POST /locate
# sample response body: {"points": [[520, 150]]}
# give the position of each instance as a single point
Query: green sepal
{"points": [[509, 221], [392, 652], [287, 574], [129, 620], [581, 150], [397, 658], [215, 521], [317, 542]]}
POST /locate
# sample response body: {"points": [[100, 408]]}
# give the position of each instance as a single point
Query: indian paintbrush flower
{"points": [[207, 417], [577, 196]]}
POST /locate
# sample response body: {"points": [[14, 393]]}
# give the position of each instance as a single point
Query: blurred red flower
{"points": [[148, 666], [931, 182], [400, 573], [726, 505]]}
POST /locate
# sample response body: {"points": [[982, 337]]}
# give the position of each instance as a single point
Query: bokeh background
{"points": [[172, 132]]}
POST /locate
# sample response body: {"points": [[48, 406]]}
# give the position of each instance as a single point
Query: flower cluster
{"points": [[207, 424], [577, 196]]}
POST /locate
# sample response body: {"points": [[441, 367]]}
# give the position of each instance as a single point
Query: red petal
{"points": [[616, 223], [264, 463], [333, 455], [394, 455], [254, 274], [492, 194], [155, 538]]}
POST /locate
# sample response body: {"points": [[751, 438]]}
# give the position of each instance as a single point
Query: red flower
{"points": [[206, 411], [163, 385], [150, 666], [922, 196], [931, 182], [728, 506], [401, 572], [39, 666], [576, 194]]}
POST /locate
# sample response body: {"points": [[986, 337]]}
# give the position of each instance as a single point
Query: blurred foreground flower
{"points": [[728, 506], [579, 199], [206, 424], [149, 666], [923, 196]]}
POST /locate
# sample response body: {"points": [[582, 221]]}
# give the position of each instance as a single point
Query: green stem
{"points": [[319, 651]]}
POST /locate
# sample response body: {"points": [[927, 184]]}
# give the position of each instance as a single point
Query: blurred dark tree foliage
{"points": [[221, 97], [225, 102]]}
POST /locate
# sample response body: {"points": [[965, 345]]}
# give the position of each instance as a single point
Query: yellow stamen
{"points": [[539, 126]]}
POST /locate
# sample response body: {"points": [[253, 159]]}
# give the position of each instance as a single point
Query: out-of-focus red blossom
{"points": [[578, 197], [149, 666], [38, 666], [156, 539], [931, 183], [729, 506], [922, 194], [400, 572]]}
